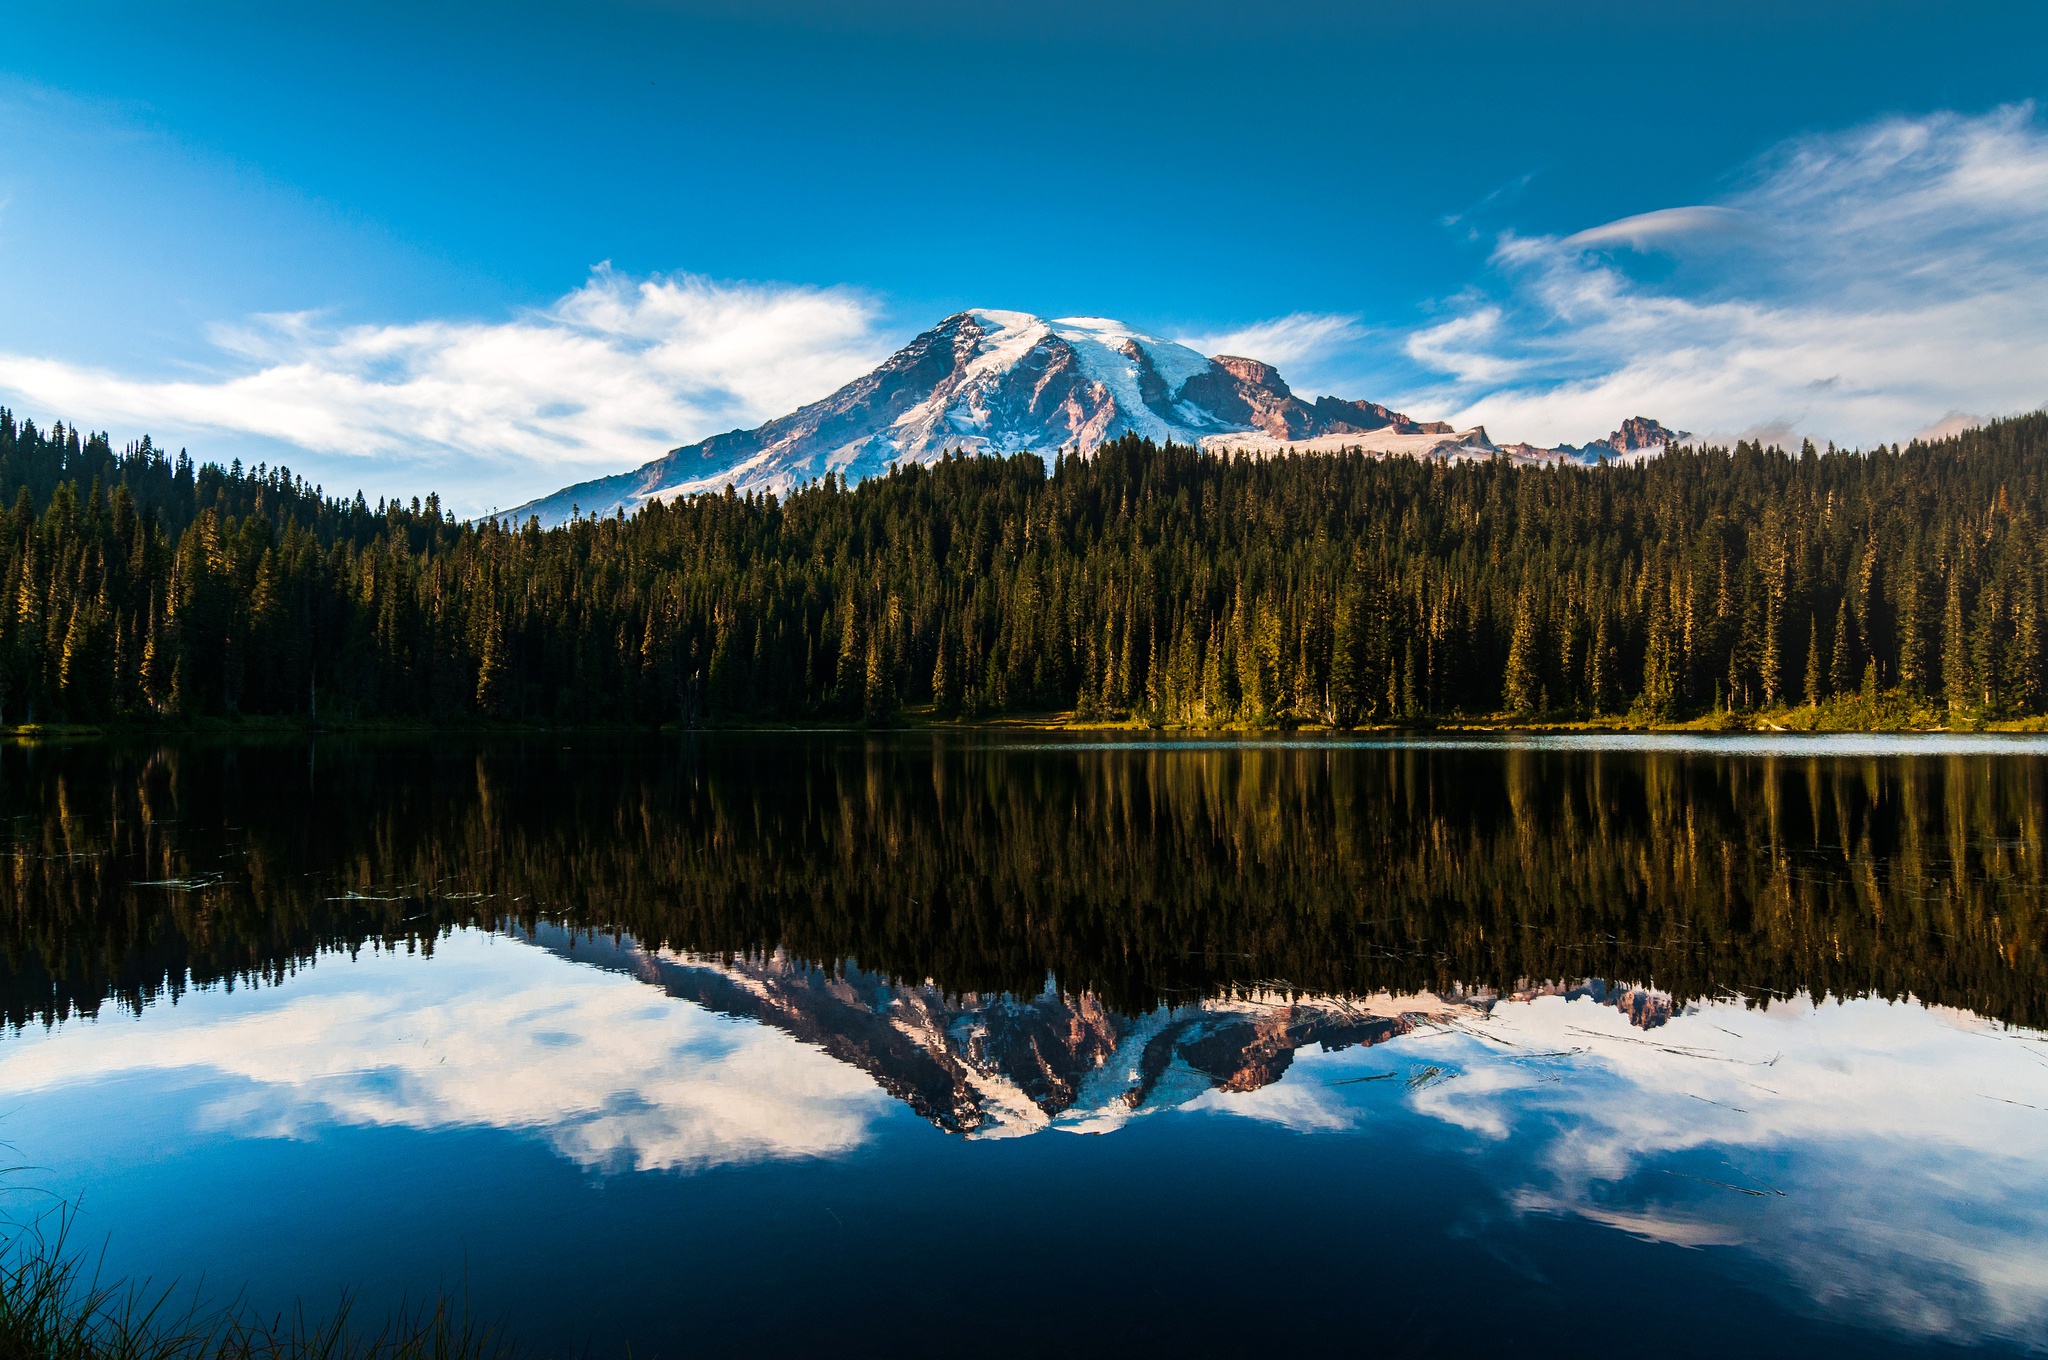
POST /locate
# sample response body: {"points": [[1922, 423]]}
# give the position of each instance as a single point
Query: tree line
{"points": [[1150, 583]]}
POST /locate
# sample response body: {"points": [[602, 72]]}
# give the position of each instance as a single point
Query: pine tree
{"points": [[2022, 679], [490, 670], [1596, 666], [878, 698], [1659, 694], [851, 686], [1347, 660], [1842, 669], [1956, 681], [1813, 667], [945, 699], [1520, 683]]}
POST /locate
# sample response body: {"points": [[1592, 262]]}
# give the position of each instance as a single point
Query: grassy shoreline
{"points": [[1888, 713]]}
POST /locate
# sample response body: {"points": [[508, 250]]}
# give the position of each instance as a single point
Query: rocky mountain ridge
{"points": [[1638, 438]]}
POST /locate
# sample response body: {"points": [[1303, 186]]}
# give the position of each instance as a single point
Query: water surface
{"points": [[923, 1044]]}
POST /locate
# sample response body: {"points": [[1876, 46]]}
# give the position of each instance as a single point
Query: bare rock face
{"points": [[1646, 1008], [1248, 393], [1243, 1052], [1640, 432]]}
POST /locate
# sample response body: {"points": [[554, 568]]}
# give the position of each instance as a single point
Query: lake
{"points": [[927, 1044]]}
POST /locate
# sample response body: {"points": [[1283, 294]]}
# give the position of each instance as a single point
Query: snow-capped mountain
{"points": [[1007, 382], [1000, 382]]}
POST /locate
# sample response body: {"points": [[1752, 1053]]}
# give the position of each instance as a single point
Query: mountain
{"points": [[1006, 382]]}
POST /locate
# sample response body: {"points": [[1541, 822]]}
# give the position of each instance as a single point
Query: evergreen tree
{"points": [[1842, 668], [1520, 683], [1813, 670], [1349, 692]]}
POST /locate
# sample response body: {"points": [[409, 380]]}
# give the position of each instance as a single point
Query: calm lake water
{"points": [[912, 1045]]}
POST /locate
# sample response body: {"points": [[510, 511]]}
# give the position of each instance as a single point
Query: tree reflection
{"points": [[1134, 876]]}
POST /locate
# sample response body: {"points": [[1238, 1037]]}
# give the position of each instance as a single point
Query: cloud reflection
{"points": [[487, 1033], [1890, 1159]]}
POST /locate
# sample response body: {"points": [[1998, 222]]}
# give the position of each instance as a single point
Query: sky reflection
{"points": [[1888, 1161], [487, 1032], [1889, 1158]]}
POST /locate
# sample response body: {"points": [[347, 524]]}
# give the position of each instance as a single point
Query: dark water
{"points": [[787, 1044]]}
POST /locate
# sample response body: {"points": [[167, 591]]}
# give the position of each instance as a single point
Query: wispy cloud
{"points": [[1865, 287], [1283, 340], [1648, 230], [611, 375]]}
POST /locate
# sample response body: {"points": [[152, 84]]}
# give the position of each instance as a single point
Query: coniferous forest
{"points": [[1148, 583]]}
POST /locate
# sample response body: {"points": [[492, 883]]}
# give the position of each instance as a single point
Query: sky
{"points": [[492, 249]]}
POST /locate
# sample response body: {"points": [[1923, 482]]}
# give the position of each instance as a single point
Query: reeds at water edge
{"points": [[56, 1305]]}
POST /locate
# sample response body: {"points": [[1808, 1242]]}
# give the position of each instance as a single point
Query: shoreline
{"points": [[1892, 718]]}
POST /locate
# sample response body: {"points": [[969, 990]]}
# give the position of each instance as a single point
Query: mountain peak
{"points": [[1640, 433]]}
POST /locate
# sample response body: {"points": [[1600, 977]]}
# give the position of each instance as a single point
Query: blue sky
{"points": [[491, 249]]}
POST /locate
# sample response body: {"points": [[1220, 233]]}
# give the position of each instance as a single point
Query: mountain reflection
{"points": [[993, 1066]]}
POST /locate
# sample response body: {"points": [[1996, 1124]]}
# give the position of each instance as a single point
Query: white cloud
{"points": [[610, 376], [1645, 231], [1285, 340], [1462, 346], [1863, 285]]}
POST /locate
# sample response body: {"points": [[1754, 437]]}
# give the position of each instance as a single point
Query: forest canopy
{"points": [[1144, 582]]}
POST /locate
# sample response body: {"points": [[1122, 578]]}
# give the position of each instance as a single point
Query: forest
{"points": [[1149, 584]]}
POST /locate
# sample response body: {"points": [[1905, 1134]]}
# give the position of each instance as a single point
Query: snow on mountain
{"points": [[1007, 382]]}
